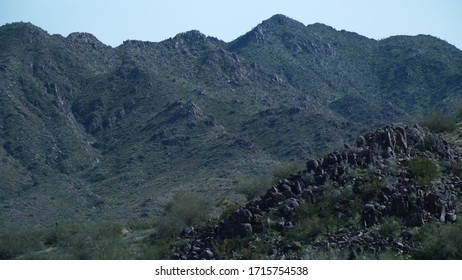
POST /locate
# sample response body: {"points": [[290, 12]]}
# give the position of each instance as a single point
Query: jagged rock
{"points": [[296, 188], [284, 187], [414, 219], [289, 194], [321, 179], [312, 165], [245, 229], [371, 215], [451, 216], [187, 232], [278, 197], [206, 254], [292, 203], [243, 216], [360, 141], [399, 206]]}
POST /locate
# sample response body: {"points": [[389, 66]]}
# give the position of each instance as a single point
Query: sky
{"points": [[114, 21]]}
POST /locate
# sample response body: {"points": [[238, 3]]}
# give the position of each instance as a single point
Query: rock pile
{"points": [[388, 148], [372, 242]]}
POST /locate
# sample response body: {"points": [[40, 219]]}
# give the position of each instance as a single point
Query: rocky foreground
{"points": [[399, 173]]}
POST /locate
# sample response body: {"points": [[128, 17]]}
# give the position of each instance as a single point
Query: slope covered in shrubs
{"points": [[393, 194]]}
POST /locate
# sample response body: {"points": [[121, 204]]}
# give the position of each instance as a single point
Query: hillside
{"points": [[91, 133], [393, 194]]}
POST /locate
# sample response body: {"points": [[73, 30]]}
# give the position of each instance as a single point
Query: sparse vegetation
{"points": [[283, 170], [334, 210], [440, 242], [185, 209], [459, 110], [66, 241], [253, 188], [424, 170], [438, 122], [390, 227]]}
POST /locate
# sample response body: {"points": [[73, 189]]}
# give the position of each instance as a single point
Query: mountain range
{"points": [[90, 132]]}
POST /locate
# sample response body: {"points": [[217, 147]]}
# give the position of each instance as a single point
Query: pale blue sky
{"points": [[113, 21]]}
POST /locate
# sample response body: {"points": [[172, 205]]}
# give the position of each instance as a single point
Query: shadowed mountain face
{"points": [[93, 132]]}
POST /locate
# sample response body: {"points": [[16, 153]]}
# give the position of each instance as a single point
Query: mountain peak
{"points": [[281, 20], [321, 26], [192, 40], [84, 38], [266, 30], [21, 25], [191, 36], [278, 22], [26, 29]]}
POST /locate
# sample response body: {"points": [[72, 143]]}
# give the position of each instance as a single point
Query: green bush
{"points": [[255, 187], [284, 170], [391, 227], [370, 189], [459, 110], [99, 240], [230, 209], [184, 209], [424, 170], [66, 241], [158, 250], [17, 242], [438, 122], [455, 168], [440, 242], [334, 210]]}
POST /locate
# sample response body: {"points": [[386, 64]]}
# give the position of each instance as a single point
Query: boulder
{"points": [[312, 165], [399, 206], [206, 254]]}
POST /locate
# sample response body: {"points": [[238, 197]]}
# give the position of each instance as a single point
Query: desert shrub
{"points": [[68, 241], [283, 170], [439, 242], [370, 186], [369, 189], [334, 210], [424, 170], [253, 188], [229, 247], [453, 168], [184, 209], [438, 122], [360, 172], [140, 225], [459, 110], [17, 242], [157, 249], [97, 240], [230, 209], [391, 227]]}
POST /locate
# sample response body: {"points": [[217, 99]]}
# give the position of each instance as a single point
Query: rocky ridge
{"points": [[386, 155]]}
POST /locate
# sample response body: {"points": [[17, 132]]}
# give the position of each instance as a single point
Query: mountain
{"points": [[90, 133]]}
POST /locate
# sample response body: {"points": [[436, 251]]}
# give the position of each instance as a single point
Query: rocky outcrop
{"points": [[385, 154]]}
